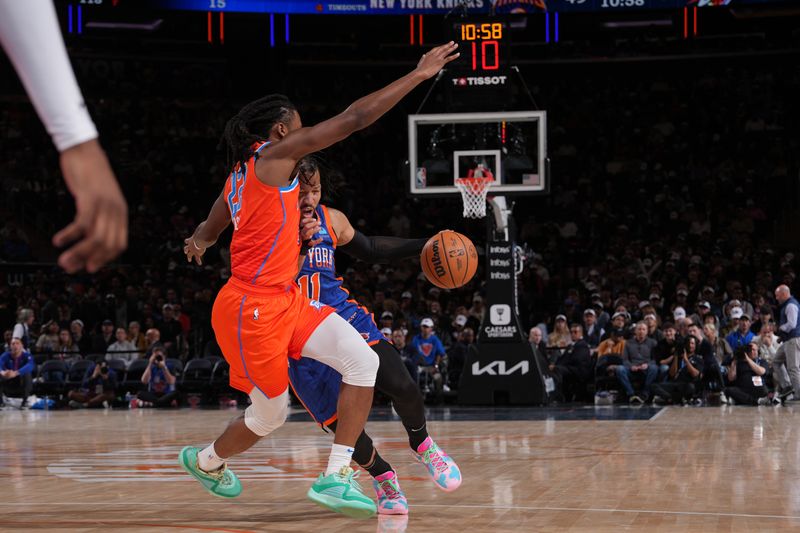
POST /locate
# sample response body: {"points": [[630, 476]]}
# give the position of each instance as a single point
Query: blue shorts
{"points": [[316, 385], [362, 321]]}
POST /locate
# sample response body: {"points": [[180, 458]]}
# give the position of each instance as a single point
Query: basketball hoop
{"points": [[473, 193]]}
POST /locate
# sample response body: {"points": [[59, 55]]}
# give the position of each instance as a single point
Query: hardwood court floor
{"points": [[685, 469]]}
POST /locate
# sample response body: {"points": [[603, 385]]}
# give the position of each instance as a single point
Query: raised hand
{"points": [[433, 61], [101, 214], [309, 227]]}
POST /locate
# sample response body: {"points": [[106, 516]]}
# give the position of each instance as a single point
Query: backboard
{"points": [[510, 146]]}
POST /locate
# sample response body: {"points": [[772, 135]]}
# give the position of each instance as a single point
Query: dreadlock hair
{"points": [[330, 179], [252, 124]]}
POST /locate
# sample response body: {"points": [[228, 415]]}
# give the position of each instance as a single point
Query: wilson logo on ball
{"points": [[437, 260]]}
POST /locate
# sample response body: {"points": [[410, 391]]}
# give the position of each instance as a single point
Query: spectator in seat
{"points": [[7, 336], [66, 350], [573, 368], [536, 338], [22, 329], [170, 329], [99, 388], [614, 345], [152, 340], [79, 339], [742, 336], [429, 352], [652, 327], [183, 319], [406, 353], [767, 345], [637, 358], [666, 349], [731, 322], [122, 348], [458, 324], [477, 310], [136, 336], [746, 377], [16, 372], [592, 333], [104, 339], [160, 383], [47, 342], [703, 310], [685, 372], [765, 318], [788, 332], [457, 357], [560, 337]]}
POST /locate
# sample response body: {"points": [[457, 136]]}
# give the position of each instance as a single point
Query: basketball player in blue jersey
{"points": [[317, 385]]}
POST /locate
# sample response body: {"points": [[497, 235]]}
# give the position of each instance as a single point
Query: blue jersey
{"points": [[314, 383], [319, 280]]}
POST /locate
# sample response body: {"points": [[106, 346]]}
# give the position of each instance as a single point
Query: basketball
{"points": [[449, 259]]}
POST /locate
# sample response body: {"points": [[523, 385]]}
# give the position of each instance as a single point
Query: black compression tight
{"points": [[394, 381]]}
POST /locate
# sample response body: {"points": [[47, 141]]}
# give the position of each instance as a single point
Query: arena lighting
{"points": [[637, 23]]}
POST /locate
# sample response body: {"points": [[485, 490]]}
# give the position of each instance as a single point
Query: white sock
{"points": [[208, 459], [340, 456]]}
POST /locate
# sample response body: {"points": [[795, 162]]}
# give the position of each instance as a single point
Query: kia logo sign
{"points": [[498, 368]]}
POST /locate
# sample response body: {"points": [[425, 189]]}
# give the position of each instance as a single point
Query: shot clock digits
{"points": [[482, 45]]}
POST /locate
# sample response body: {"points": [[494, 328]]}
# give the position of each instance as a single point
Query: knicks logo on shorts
{"points": [[316, 304]]}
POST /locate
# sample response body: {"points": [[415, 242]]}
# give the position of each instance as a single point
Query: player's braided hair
{"points": [[330, 179], [252, 124]]}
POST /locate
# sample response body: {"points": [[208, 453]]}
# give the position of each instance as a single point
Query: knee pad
{"points": [[265, 415], [361, 365]]}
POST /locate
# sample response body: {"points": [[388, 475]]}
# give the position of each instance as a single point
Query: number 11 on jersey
{"points": [[310, 285]]}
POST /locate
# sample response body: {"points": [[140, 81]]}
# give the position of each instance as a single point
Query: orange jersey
{"points": [[266, 227]]}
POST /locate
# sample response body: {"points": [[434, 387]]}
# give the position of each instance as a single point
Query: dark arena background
{"points": [[626, 357]]}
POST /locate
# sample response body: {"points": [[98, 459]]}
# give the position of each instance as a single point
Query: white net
{"points": [[473, 193]]}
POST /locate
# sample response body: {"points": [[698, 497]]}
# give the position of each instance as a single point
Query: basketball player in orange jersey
{"points": [[260, 317], [316, 384]]}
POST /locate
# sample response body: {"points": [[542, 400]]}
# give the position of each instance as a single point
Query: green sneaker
{"points": [[222, 482], [341, 492]]}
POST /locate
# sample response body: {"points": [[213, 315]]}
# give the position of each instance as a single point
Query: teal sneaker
{"points": [[222, 482], [340, 492]]}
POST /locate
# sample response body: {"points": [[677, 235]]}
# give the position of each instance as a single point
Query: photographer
{"points": [[160, 383], [746, 376], [99, 388], [684, 373]]}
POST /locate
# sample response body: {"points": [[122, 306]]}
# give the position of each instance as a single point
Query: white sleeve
{"points": [[30, 34], [19, 331]]}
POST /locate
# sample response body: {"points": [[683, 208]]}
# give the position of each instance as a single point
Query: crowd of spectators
{"points": [[669, 191], [702, 357]]}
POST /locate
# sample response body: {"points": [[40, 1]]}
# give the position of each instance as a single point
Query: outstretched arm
{"points": [[30, 35], [278, 162], [208, 231], [371, 249]]}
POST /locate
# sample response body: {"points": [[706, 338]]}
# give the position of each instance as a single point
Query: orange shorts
{"points": [[259, 328]]}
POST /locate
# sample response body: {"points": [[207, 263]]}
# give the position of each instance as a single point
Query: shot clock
{"points": [[484, 46]]}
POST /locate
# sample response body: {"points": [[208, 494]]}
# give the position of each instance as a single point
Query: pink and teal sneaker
{"points": [[391, 499], [442, 469]]}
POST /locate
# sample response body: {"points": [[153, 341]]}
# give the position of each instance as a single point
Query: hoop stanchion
{"points": [[473, 194]]}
